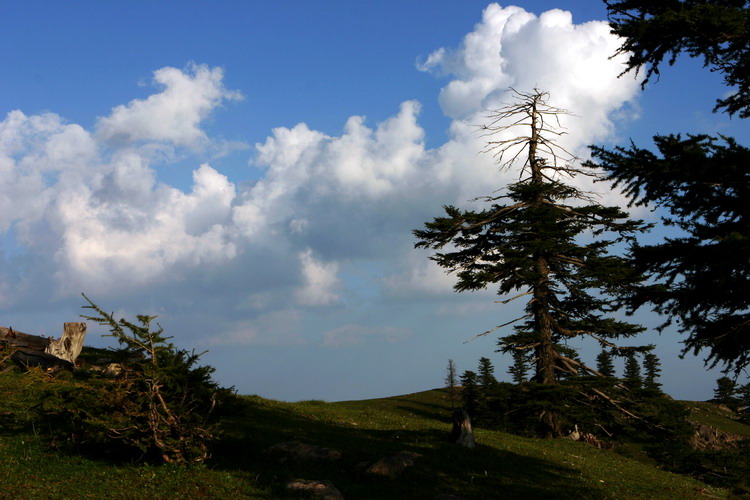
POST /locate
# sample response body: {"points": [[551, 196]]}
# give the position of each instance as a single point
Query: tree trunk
{"points": [[545, 352]]}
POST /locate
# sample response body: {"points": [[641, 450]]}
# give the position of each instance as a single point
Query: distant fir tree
{"points": [[651, 365], [487, 384], [470, 392], [520, 367], [726, 392], [604, 364], [632, 376], [451, 382], [486, 373], [543, 238]]}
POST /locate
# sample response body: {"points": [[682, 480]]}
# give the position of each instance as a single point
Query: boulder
{"points": [[392, 467], [706, 437], [323, 489]]}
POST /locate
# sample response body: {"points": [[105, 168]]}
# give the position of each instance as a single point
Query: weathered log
{"points": [[34, 350], [13, 338], [462, 433], [26, 358]]}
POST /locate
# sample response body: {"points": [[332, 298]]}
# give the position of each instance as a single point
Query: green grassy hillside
{"points": [[502, 466]]}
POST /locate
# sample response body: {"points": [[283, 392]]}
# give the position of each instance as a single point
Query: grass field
{"points": [[502, 465]]}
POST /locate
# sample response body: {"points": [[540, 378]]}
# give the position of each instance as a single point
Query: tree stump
{"points": [[69, 346], [462, 433]]}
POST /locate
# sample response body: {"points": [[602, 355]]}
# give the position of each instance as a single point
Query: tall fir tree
{"points": [[604, 364], [551, 242], [702, 275], [531, 244]]}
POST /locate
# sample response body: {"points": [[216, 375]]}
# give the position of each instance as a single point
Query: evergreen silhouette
{"points": [[651, 365], [604, 364], [530, 240], [702, 277], [520, 367], [632, 375]]}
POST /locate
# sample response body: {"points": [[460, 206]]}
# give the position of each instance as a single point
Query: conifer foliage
{"points": [[718, 31], [470, 391], [174, 399], [161, 407], [633, 377], [651, 365], [726, 392], [702, 273], [519, 369], [486, 373], [604, 364], [541, 238]]}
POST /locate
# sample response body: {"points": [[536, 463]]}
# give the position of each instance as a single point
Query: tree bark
{"points": [[69, 346], [545, 352]]}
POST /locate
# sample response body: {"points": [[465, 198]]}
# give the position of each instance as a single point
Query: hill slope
{"points": [[502, 466]]}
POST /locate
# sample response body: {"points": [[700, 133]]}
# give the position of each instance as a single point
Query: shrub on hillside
{"points": [[161, 406]]}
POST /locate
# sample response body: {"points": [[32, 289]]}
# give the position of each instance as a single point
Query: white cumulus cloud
{"points": [[173, 115], [514, 48], [320, 281]]}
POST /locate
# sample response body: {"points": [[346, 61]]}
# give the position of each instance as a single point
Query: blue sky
{"points": [[251, 173]]}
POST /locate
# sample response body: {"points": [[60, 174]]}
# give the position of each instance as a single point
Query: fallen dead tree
{"points": [[34, 350]]}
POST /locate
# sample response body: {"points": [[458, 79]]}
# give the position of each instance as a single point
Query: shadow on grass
{"points": [[416, 409], [443, 468]]}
